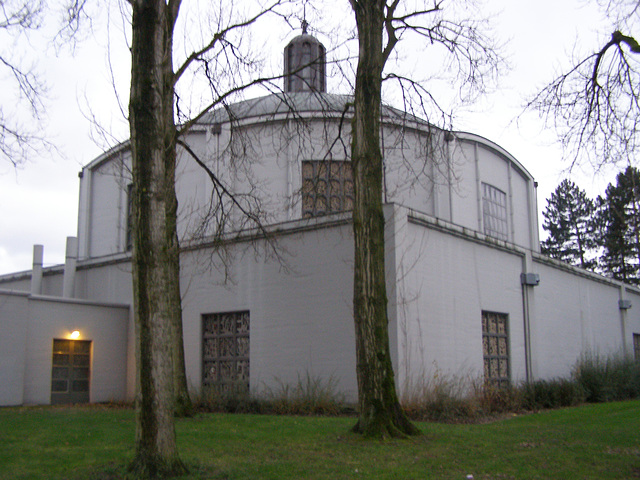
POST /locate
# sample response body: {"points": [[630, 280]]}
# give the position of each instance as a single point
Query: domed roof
{"points": [[302, 38], [299, 104]]}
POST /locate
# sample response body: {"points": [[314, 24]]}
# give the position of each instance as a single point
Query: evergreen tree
{"points": [[570, 219], [620, 240]]}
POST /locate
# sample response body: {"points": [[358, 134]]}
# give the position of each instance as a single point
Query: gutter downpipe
{"points": [[526, 314], [623, 305], [476, 160]]}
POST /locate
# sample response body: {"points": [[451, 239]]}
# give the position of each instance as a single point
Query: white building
{"points": [[469, 292]]}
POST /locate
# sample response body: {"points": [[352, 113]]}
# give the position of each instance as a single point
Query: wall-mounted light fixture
{"points": [[531, 279], [74, 335], [624, 304]]}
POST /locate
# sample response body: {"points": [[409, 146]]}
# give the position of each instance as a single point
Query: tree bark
{"points": [[380, 414], [156, 288]]}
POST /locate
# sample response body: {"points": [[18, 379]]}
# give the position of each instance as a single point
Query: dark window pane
{"points": [[61, 346], [81, 360], [80, 386], [61, 359], [83, 347], [59, 386], [80, 373], [59, 373]]}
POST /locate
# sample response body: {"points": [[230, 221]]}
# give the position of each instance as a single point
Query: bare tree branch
{"points": [[594, 106], [220, 35], [19, 139]]}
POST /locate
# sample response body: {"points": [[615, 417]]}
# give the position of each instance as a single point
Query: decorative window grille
{"points": [[225, 352], [636, 346], [327, 187], [494, 212], [495, 348]]}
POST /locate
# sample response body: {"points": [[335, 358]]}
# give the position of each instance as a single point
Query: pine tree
{"points": [[570, 219], [621, 234]]}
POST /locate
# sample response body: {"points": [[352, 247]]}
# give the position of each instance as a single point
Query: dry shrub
{"points": [[310, 395], [440, 398], [497, 400], [230, 401]]}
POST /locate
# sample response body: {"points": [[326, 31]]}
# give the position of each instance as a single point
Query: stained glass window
{"points": [[225, 352], [327, 187], [495, 348]]}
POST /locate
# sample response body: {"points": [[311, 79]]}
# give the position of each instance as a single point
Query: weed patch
{"points": [[310, 395]]}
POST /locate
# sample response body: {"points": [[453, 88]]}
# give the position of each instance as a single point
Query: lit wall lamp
{"points": [[74, 335]]}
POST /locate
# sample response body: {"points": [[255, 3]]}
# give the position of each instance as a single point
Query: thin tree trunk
{"points": [[183, 407], [380, 414], [155, 247]]}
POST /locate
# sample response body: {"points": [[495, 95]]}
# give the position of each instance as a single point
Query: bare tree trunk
{"points": [[156, 288], [380, 414]]}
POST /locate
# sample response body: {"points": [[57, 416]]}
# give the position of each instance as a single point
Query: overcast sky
{"points": [[39, 202]]}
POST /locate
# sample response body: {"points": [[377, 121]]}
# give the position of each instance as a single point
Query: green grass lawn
{"points": [[600, 441]]}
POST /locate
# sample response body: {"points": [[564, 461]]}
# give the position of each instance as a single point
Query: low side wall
{"points": [[575, 313], [32, 322], [447, 276], [14, 320]]}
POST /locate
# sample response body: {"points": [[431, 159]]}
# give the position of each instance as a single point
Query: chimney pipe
{"points": [[36, 272], [69, 279]]}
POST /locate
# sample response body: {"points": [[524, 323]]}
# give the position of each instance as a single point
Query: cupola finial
{"points": [[304, 62], [305, 24]]}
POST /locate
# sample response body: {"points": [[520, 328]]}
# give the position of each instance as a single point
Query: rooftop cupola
{"points": [[304, 64]]}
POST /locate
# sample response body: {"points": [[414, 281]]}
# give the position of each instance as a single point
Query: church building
{"points": [[267, 273]]}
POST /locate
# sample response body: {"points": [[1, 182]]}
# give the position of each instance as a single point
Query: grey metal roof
{"points": [[297, 103]]}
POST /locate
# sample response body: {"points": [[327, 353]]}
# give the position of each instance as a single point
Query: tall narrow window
{"points": [[225, 352], [327, 187], [494, 212], [495, 348], [636, 346]]}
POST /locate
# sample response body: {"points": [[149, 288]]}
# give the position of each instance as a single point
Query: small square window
{"points": [[327, 187]]}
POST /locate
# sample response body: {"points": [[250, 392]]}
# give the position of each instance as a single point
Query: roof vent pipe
{"points": [[36, 272], [71, 258]]}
